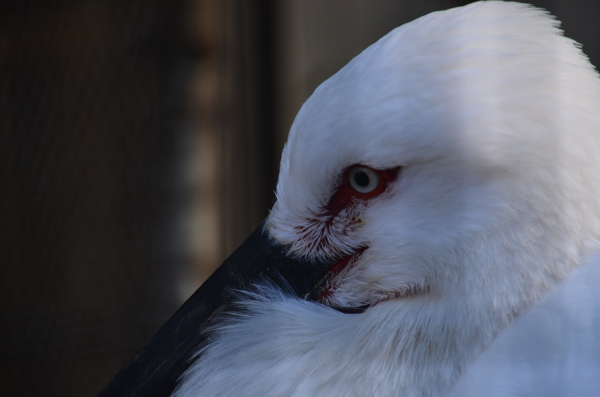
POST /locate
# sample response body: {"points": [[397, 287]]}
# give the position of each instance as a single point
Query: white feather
{"points": [[493, 117], [552, 350]]}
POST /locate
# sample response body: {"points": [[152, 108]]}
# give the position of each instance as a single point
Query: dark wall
{"points": [[86, 151]]}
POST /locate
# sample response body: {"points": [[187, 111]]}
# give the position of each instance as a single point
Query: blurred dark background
{"points": [[140, 143]]}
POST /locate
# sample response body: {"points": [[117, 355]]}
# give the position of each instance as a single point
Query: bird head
{"points": [[455, 158]]}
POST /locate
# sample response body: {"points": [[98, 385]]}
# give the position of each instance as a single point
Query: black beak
{"points": [[154, 371]]}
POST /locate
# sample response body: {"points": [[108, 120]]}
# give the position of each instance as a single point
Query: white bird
{"points": [[451, 173]]}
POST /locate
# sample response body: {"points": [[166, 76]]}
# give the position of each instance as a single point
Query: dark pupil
{"points": [[361, 179]]}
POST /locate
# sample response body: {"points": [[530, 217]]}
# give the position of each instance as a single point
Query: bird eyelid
{"points": [[346, 195]]}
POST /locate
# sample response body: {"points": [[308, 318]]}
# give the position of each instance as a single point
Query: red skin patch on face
{"points": [[345, 196], [341, 264], [326, 293], [345, 261], [336, 269], [316, 233]]}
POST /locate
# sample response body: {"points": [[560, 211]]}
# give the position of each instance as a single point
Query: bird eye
{"points": [[364, 180]]}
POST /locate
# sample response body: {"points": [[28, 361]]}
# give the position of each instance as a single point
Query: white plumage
{"points": [[492, 119], [552, 350]]}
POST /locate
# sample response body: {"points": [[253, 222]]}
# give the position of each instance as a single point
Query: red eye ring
{"points": [[346, 195]]}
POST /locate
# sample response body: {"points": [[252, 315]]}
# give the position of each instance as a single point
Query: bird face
{"points": [[390, 227], [442, 155]]}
